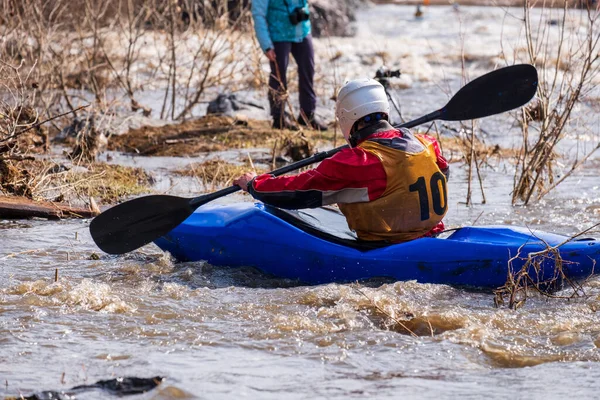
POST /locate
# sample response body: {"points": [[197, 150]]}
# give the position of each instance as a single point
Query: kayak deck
{"points": [[315, 246]]}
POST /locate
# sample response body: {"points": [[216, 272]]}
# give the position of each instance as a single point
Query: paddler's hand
{"points": [[243, 180]]}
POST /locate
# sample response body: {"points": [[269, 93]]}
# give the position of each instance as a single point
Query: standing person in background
{"points": [[283, 27]]}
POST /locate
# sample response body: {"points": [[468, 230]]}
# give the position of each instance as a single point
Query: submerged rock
{"points": [[116, 387], [231, 105]]}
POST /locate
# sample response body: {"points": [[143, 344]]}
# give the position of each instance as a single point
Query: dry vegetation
{"points": [[69, 64], [528, 279], [209, 133], [567, 56], [566, 53], [128, 46], [106, 182], [217, 173], [46, 180], [68, 68]]}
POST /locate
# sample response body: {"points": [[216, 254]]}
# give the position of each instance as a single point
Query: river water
{"points": [[221, 333]]}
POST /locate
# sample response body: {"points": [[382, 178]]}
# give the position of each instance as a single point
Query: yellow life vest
{"points": [[414, 201]]}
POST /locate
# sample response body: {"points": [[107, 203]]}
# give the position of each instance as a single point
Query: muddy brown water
{"points": [[222, 333]]}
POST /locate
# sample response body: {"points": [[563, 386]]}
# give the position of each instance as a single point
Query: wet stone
{"points": [[117, 387]]}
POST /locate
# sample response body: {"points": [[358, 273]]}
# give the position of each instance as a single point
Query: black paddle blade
{"points": [[494, 93], [137, 222]]}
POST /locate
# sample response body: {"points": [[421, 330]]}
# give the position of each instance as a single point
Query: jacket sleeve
{"points": [[350, 176], [261, 28], [441, 161]]}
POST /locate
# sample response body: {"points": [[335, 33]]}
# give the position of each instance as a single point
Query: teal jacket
{"points": [[272, 22]]}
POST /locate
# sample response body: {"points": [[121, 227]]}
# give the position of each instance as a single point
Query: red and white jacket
{"points": [[356, 175]]}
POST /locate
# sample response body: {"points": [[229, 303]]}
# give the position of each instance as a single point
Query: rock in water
{"points": [[223, 104], [118, 387], [335, 17], [229, 104]]}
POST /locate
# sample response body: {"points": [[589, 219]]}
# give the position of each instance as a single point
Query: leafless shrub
{"points": [[17, 116], [567, 57], [20, 133], [281, 97], [219, 57], [528, 278], [60, 55], [471, 157], [468, 134], [115, 50]]}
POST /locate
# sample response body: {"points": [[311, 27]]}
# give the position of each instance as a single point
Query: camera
{"points": [[298, 15], [383, 72]]}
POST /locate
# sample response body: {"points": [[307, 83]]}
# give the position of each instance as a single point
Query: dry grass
{"points": [[457, 149], [217, 173], [107, 183], [216, 133], [210, 133]]}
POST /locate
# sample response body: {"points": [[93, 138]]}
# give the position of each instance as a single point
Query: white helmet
{"points": [[359, 98]]}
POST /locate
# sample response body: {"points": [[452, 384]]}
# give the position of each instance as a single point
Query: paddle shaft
{"points": [[198, 201]]}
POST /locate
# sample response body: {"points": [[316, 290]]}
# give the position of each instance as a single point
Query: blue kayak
{"points": [[315, 246]]}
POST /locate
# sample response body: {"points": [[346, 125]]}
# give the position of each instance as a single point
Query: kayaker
{"points": [[389, 184]]}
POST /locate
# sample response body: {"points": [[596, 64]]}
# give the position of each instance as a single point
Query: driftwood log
{"points": [[21, 208]]}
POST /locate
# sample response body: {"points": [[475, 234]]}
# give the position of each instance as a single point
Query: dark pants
{"points": [[303, 53]]}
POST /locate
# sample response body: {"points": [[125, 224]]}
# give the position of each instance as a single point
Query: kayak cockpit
{"points": [[325, 223]]}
